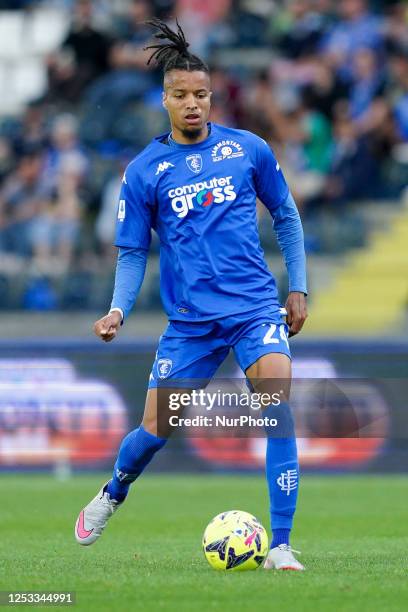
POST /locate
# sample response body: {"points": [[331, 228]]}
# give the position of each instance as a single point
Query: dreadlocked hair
{"points": [[173, 55]]}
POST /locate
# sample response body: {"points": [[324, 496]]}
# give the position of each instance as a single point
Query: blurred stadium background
{"points": [[326, 83]]}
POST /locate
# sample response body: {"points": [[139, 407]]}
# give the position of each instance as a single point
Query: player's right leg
{"points": [[196, 354], [135, 453]]}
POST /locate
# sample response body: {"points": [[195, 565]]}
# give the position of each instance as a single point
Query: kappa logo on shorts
{"points": [[164, 367]]}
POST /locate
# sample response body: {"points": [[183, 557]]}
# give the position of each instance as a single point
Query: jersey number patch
{"points": [[269, 336]]}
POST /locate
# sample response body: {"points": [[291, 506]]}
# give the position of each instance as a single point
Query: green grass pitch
{"points": [[351, 530]]}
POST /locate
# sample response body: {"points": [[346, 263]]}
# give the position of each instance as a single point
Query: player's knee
{"points": [[149, 424]]}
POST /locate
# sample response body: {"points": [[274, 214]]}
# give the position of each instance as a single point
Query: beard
{"points": [[192, 134]]}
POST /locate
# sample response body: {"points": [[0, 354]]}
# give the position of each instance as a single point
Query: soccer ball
{"points": [[235, 540]]}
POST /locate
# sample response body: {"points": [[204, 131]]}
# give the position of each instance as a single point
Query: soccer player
{"points": [[197, 187]]}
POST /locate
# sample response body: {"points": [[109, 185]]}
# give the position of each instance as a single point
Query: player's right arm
{"points": [[107, 327], [130, 270], [133, 236]]}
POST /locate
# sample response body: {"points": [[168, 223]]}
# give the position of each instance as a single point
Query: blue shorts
{"points": [[191, 351]]}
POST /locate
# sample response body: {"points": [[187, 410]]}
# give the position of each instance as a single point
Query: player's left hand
{"points": [[296, 308]]}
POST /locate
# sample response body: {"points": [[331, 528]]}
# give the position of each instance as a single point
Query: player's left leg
{"points": [[271, 374]]}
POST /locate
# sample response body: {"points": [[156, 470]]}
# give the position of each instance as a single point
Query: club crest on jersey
{"points": [[226, 149], [164, 367], [194, 162]]}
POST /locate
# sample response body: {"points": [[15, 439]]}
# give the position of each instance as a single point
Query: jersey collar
{"points": [[188, 147]]}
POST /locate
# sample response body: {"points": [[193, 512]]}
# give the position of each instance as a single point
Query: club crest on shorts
{"points": [[194, 162], [164, 368]]}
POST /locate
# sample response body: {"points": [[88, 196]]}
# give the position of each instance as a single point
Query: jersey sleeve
{"points": [[271, 186], [135, 212], [130, 269]]}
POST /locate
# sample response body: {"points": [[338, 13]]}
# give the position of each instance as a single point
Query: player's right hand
{"points": [[107, 327]]}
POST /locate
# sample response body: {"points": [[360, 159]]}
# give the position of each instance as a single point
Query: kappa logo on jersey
{"points": [[163, 166], [217, 191], [122, 210], [194, 162], [226, 149], [164, 367]]}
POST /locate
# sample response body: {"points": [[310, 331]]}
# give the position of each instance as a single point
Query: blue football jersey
{"points": [[201, 201]]}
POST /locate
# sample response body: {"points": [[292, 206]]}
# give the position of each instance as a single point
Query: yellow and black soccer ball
{"points": [[235, 541]]}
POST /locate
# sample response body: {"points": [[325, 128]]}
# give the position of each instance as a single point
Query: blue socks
{"points": [[282, 470], [280, 536], [136, 451], [282, 473]]}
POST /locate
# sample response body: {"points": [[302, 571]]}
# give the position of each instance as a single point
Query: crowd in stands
{"points": [[324, 82]]}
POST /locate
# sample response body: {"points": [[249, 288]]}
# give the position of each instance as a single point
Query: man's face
{"points": [[139, 11], [351, 9], [84, 10], [187, 98], [30, 168]]}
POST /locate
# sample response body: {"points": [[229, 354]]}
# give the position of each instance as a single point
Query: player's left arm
{"points": [[273, 191], [289, 232]]}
